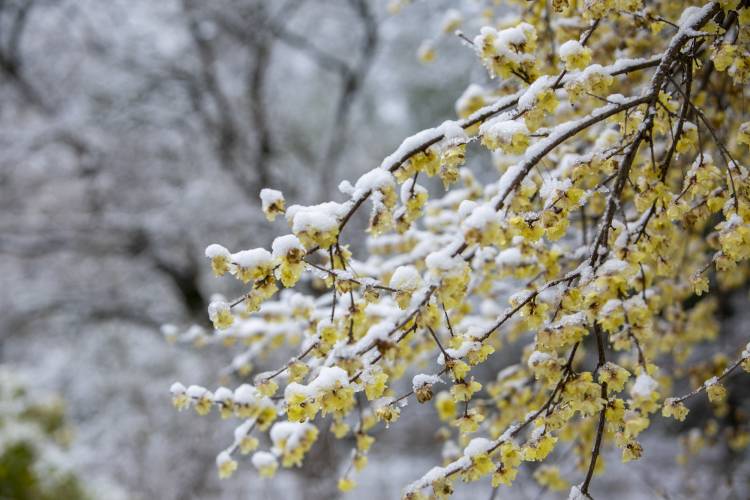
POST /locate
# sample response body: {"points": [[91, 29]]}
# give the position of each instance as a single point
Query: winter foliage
{"points": [[618, 218]]}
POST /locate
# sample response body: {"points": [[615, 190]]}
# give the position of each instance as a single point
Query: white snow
{"points": [[480, 217], [177, 389], [528, 99], [245, 394], [477, 446], [242, 430], [379, 331], [576, 494], [215, 250], [263, 459], [644, 386], [257, 257], [610, 306], [442, 260], [409, 188], [270, 196], [578, 318], [506, 181], [503, 129], [216, 307], [466, 207], [328, 378], [510, 257], [537, 357], [283, 244], [553, 187], [406, 278], [505, 40], [322, 217], [570, 48], [519, 297], [291, 433], [223, 458], [689, 16], [223, 395], [451, 18], [473, 91], [377, 178], [449, 132], [197, 392], [315, 220], [611, 267], [423, 379], [711, 381]]}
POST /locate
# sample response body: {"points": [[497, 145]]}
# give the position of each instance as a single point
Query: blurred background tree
{"points": [[33, 437]]}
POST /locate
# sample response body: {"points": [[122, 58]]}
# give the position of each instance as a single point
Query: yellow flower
{"points": [[504, 474], [574, 55], [346, 484], [255, 264], [716, 392], [337, 399], [673, 408], [632, 451], [297, 371], [688, 139], [288, 253], [248, 444], [537, 449], [480, 355], [299, 407], [339, 428], [614, 376], [481, 465], [203, 403], [267, 387], [442, 488], [509, 136], [220, 259], [375, 387], [364, 441], [724, 56], [388, 413], [265, 463], [426, 52], [225, 464], [544, 366], [635, 424], [549, 477], [462, 391], [469, 423], [272, 203], [445, 406], [220, 315], [314, 226], [266, 415], [180, 400], [510, 454], [508, 51], [458, 368], [699, 283], [423, 393], [292, 441], [360, 461]]}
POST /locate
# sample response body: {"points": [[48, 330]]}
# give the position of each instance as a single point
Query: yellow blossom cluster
{"points": [[603, 251]]}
